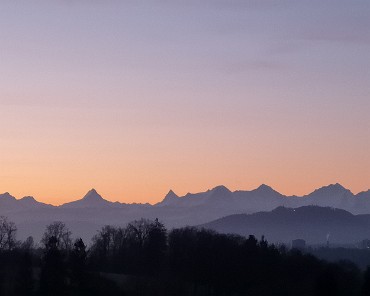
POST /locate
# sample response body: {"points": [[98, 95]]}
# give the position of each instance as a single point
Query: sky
{"points": [[134, 98]]}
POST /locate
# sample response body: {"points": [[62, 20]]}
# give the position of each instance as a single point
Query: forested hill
{"points": [[314, 224]]}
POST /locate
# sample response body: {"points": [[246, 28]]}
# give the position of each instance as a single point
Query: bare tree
{"points": [[8, 232], [59, 231], [139, 230], [105, 239]]}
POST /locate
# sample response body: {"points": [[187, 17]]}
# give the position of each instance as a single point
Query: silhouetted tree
{"points": [[155, 247], [53, 276], [105, 244], [61, 234], [78, 265], [8, 232], [138, 231], [134, 251]]}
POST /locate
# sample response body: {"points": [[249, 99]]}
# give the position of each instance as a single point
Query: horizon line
{"points": [[184, 196]]}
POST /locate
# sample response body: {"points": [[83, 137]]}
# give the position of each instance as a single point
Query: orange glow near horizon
{"points": [[56, 173], [57, 156]]}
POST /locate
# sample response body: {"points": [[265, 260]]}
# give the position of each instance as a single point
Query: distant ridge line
{"points": [[171, 194]]}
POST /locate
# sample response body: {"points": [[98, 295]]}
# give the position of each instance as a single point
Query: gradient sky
{"points": [[136, 97]]}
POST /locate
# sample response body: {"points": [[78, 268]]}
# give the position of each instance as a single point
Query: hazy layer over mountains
{"points": [[87, 215]]}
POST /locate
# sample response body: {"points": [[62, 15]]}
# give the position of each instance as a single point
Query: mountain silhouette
{"points": [[170, 198], [364, 195], [220, 190], [92, 199], [9, 203], [88, 214], [334, 195], [311, 223], [265, 190]]}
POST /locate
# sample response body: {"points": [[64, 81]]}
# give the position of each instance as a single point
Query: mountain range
{"points": [[86, 215]]}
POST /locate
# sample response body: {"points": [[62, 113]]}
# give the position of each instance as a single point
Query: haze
{"points": [[134, 99]]}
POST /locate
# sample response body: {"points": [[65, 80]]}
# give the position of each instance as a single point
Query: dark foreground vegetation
{"points": [[143, 258]]}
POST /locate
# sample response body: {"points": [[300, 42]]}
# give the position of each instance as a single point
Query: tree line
{"points": [[144, 258]]}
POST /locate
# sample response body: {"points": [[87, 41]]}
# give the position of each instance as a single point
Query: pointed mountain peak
{"points": [[91, 199], [92, 195], [171, 195], [7, 195], [170, 199], [92, 190]]}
